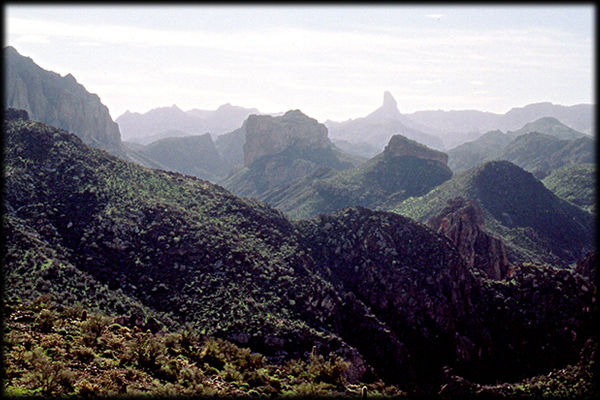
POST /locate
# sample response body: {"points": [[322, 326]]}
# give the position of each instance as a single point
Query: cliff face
{"points": [[266, 135], [401, 146], [58, 101], [462, 222]]}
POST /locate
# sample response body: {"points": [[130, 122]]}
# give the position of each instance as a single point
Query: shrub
{"points": [[92, 328], [84, 354], [45, 320], [211, 354], [52, 378]]}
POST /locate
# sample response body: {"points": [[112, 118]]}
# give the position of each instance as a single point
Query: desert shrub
{"points": [[46, 320], [84, 354], [74, 311], [230, 373], [245, 359], [211, 354], [92, 328], [147, 352], [329, 371], [258, 377], [41, 302], [87, 389], [52, 378]]}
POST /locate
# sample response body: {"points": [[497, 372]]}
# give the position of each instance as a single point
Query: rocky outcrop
{"points": [[11, 114], [587, 266], [266, 135], [462, 222], [402, 146], [58, 101]]}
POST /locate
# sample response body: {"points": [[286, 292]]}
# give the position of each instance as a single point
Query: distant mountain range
{"points": [[378, 127], [159, 122], [194, 155], [464, 123]]}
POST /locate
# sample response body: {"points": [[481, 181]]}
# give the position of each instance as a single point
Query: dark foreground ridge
{"points": [[163, 251]]}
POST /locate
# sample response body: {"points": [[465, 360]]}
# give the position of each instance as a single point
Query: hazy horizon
{"points": [[331, 62]]}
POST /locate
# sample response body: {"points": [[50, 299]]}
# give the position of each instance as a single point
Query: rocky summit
{"points": [[402, 146], [266, 135]]}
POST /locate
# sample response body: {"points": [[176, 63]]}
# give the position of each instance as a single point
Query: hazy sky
{"points": [[331, 62]]}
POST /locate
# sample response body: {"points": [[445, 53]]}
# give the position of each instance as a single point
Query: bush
{"points": [[45, 320], [92, 328], [84, 354], [211, 354]]}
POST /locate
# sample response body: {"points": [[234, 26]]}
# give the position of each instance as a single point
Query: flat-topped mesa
{"points": [[462, 222], [402, 146], [267, 135]]}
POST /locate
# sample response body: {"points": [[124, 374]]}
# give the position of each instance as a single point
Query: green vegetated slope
{"points": [[538, 147], [534, 224], [470, 154], [385, 179], [171, 241], [51, 350], [389, 296], [575, 183], [540, 154]]}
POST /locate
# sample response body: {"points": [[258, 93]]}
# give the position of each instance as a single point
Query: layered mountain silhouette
{"points": [[379, 126], [534, 224], [158, 122], [194, 155], [541, 154], [549, 126], [539, 147], [59, 101], [470, 154], [405, 168], [375, 288], [460, 122]]}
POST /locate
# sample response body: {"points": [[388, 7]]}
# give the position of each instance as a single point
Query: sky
{"points": [[331, 62]]}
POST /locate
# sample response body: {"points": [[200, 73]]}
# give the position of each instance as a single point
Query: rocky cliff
{"points": [[402, 146], [266, 135], [59, 101], [462, 222], [534, 224]]}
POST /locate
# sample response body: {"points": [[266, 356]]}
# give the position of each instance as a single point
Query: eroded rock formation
{"points": [[462, 222], [266, 135]]}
